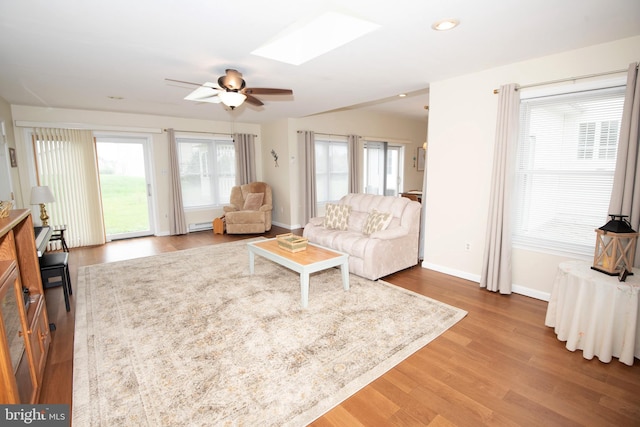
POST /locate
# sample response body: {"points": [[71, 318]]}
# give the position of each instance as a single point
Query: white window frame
{"points": [[325, 178], [208, 170], [586, 151], [387, 168]]}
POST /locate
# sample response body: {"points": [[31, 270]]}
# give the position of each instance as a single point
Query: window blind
{"points": [[564, 172], [66, 162]]}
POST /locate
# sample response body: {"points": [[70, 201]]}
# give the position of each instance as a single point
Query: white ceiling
{"points": [[78, 53]]}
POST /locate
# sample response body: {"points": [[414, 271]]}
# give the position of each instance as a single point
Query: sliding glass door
{"points": [[382, 168], [124, 164]]}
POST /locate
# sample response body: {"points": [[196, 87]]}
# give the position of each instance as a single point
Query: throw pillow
{"points": [[336, 217], [376, 221], [253, 201]]}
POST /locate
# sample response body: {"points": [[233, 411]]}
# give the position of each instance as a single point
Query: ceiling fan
{"points": [[231, 90]]}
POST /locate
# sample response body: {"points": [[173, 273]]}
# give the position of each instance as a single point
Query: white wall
{"points": [[276, 137], [9, 142], [462, 120]]}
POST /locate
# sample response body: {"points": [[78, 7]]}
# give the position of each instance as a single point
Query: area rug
{"points": [[191, 338]]}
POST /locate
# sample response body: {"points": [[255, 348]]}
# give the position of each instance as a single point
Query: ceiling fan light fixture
{"points": [[232, 99]]}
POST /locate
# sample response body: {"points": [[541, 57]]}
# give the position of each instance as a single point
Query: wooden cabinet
{"points": [[24, 324]]}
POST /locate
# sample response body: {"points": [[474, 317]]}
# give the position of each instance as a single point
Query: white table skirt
{"points": [[596, 313]]}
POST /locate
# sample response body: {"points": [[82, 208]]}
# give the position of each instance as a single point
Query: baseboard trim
{"points": [[516, 289], [287, 226], [451, 272], [532, 293]]}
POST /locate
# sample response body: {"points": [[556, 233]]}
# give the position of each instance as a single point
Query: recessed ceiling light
{"points": [[402, 95], [445, 24], [300, 43]]}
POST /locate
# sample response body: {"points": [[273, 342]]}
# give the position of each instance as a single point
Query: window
{"points": [[383, 168], [564, 173], [332, 170], [609, 139], [207, 170]]}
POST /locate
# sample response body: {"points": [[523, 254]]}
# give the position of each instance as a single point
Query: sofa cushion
{"points": [[253, 201], [356, 221], [336, 216], [376, 221], [353, 243]]}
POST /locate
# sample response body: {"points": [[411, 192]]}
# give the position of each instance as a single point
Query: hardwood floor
{"points": [[498, 366]]}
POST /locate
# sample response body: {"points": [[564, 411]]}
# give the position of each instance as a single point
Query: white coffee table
{"points": [[314, 258]]}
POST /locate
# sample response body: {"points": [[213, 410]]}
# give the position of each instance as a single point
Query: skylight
{"points": [[299, 44]]}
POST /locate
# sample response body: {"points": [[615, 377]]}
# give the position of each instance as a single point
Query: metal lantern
{"points": [[615, 247]]}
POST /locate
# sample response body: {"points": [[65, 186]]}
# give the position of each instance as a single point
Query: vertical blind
{"points": [[66, 162], [565, 163]]}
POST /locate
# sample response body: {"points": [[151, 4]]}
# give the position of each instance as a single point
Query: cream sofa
{"points": [[380, 253]]}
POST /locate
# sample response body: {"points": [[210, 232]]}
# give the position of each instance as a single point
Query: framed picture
{"points": [[422, 154], [12, 157]]}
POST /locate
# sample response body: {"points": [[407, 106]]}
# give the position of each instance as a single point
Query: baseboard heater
{"points": [[201, 226]]}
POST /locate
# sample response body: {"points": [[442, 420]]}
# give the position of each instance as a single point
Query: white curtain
{"points": [[66, 162], [307, 182], [355, 174], [177, 221], [625, 195], [245, 158], [496, 265]]}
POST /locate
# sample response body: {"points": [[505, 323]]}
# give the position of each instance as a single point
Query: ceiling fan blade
{"points": [[212, 99], [207, 84], [253, 100], [182, 81], [204, 94], [266, 91]]}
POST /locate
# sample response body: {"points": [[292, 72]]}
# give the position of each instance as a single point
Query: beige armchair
{"points": [[250, 209]]}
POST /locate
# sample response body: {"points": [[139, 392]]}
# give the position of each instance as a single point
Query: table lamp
{"points": [[39, 196]]}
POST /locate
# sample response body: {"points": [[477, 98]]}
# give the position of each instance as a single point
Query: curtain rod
{"points": [[588, 76], [200, 131], [84, 126], [326, 134], [331, 134], [366, 138]]}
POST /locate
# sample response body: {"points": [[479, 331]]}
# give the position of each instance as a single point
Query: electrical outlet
{"points": [[467, 246]]}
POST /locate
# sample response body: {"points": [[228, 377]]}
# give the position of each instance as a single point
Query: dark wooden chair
{"points": [[58, 236], [55, 265]]}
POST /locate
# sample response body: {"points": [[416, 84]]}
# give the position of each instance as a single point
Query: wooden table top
{"points": [[310, 255]]}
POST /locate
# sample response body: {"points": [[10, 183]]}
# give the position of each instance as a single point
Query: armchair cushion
{"points": [[253, 201]]}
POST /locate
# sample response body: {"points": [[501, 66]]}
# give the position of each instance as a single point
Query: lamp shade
{"points": [[232, 99], [41, 194]]}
